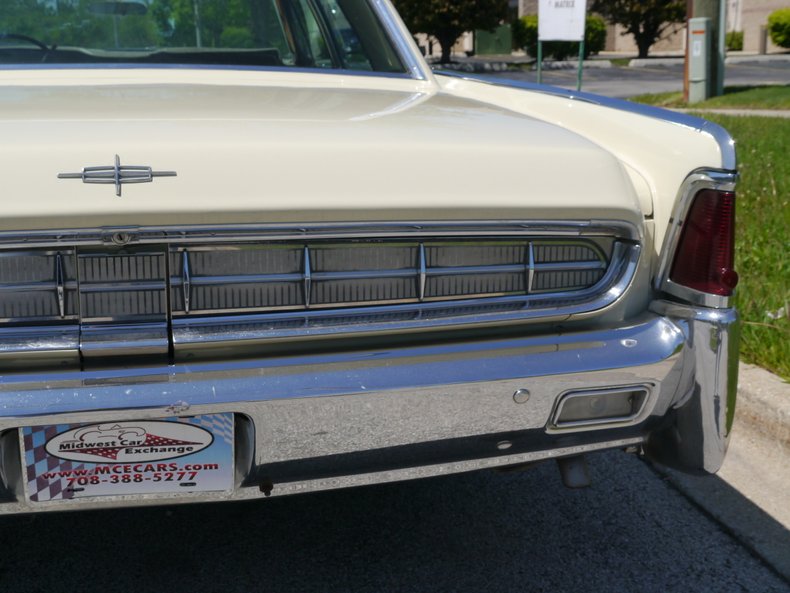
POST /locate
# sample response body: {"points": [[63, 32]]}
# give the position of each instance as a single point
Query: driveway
{"points": [[627, 82]]}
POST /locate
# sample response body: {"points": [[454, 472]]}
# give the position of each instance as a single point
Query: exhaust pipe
{"points": [[574, 471]]}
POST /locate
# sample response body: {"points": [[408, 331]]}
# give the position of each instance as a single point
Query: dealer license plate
{"points": [[67, 461]]}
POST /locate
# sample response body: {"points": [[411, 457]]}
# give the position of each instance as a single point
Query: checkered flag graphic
{"points": [[221, 425], [38, 462]]}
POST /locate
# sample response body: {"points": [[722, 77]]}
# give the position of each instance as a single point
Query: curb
{"points": [[647, 62], [503, 63], [748, 496], [573, 64], [764, 403], [752, 59], [784, 113], [760, 58], [503, 66], [476, 67]]}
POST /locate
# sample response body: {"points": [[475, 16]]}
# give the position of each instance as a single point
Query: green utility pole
{"points": [[716, 11]]}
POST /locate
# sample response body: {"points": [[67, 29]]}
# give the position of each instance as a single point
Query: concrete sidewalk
{"points": [[750, 496], [764, 406], [741, 112]]}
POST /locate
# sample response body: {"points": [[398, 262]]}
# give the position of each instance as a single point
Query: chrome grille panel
{"points": [[123, 303], [122, 286], [235, 278], [38, 286], [335, 275], [204, 289]]}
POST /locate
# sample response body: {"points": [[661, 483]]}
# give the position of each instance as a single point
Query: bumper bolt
{"points": [[521, 396]]}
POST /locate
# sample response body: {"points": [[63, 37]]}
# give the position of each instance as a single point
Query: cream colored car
{"points": [[276, 224]]}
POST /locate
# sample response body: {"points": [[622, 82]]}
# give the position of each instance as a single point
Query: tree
{"points": [[646, 20], [75, 23], [221, 23], [779, 27], [447, 20]]}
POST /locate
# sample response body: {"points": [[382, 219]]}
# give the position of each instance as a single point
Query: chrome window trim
{"points": [[695, 182], [401, 39], [720, 135], [222, 67]]}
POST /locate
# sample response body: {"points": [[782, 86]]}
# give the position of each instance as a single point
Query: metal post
{"points": [[115, 31], [540, 62], [762, 42], [196, 9], [714, 10], [689, 15], [581, 66], [721, 50]]}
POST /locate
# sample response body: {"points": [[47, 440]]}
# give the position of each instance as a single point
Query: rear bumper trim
{"points": [[321, 421]]}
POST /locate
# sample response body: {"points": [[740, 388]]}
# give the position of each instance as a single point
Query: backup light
{"points": [[704, 257], [619, 404]]}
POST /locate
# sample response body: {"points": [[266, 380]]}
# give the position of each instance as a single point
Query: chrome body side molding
{"points": [[720, 135]]}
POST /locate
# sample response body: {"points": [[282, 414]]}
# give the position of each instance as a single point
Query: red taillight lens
{"points": [[704, 257]]}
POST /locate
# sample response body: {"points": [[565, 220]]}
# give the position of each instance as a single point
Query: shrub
{"points": [[525, 36], [779, 27], [734, 41], [236, 37]]}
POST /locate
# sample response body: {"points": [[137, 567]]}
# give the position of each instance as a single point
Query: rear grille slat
{"points": [[122, 287], [38, 286], [271, 276], [115, 295]]}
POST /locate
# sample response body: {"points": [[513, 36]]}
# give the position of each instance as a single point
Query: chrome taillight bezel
{"points": [[701, 179]]}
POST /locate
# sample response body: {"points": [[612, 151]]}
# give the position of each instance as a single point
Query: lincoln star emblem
{"points": [[117, 174]]}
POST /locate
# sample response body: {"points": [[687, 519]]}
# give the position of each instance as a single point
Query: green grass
{"points": [[763, 238], [620, 62], [743, 97]]}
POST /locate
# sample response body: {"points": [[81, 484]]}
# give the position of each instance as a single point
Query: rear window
{"points": [[322, 34]]}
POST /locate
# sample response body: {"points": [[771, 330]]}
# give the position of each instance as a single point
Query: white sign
{"points": [[128, 458], [561, 20], [129, 442]]}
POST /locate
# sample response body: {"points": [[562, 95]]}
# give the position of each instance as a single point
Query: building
{"points": [[749, 16]]}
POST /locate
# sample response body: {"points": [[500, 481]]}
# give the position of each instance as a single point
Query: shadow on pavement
{"points": [[630, 531], [756, 529]]}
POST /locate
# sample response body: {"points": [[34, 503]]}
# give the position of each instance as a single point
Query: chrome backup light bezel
{"points": [[600, 423]]}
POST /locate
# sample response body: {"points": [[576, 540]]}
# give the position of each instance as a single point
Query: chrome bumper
{"points": [[315, 422]]}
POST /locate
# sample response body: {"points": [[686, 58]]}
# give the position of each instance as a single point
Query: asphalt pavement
{"points": [[481, 532], [664, 76]]}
